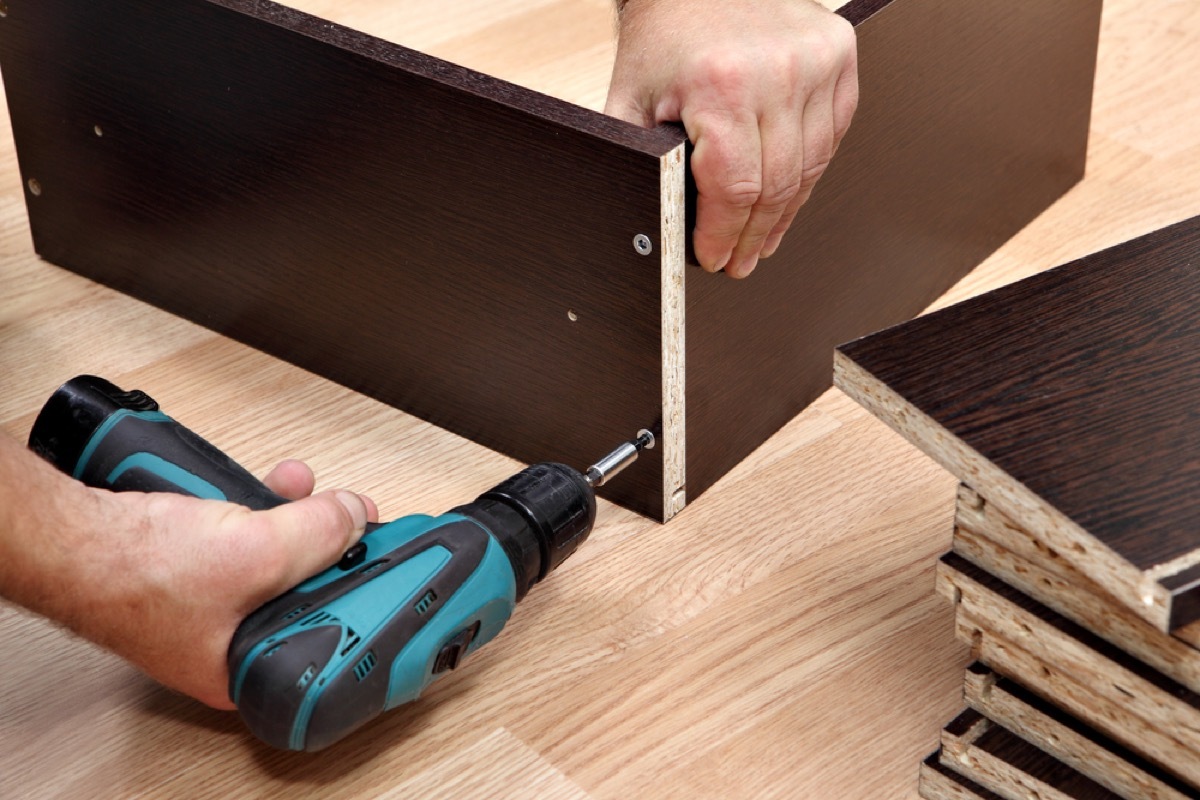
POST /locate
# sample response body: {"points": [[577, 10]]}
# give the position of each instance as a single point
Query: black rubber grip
{"points": [[118, 440]]}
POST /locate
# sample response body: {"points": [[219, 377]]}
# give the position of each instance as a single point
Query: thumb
{"points": [[623, 104], [313, 533]]}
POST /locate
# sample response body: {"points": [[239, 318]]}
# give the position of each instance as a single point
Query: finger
{"points": [[782, 145], [624, 105], [727, 168], [291, 479], [819, 142], [310, 535], [845, 95], [372, 509]]}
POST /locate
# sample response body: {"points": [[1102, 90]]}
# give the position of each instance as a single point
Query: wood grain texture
{"points": [[460, 247], [1094, 681], [995, 758], [412, 229], [987, 538], [958, 143], [1069, 400], [1066, 739], [779, 639]]}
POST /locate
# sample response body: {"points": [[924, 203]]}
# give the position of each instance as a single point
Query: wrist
{"points": [[51, 528]]}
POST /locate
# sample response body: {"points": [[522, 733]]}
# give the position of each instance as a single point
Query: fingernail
{"points": [[772, 245], [743, 268], [357, 508], [723, 263]]}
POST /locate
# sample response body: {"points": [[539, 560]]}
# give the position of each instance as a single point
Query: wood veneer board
{"points": [[419, 232], [959, 141], [994, 757], [987, 538], [1068, 400], [410, 228], [939, 782], [1068, 740], [1074, 669]]}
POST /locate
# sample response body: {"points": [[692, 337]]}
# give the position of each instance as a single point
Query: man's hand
{"points": [[162, 580], [766, 90]]}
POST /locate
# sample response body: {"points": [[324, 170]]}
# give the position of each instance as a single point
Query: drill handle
{"points": [[118, 440]]}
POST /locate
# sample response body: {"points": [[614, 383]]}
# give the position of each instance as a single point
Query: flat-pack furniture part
{"points": [[1069, 401], [991, 541], [506, 265], [1117, 695], [1067, 740], [997, 759]]}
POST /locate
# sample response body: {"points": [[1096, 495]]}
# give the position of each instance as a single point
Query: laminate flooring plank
{"points": [[995, 758], [939, 782], [1074, 669], [1068, 400], [1068, 740], [992, 541]]}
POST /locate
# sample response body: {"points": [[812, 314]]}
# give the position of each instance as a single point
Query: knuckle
{"points": [[822, 55], [831, 48], [776, 198], [744, 193], [843, 32], [812, 173], [727, 73]]}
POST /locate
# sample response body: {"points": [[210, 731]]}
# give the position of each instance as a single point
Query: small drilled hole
{"points": [[571, 315], [98, 130], [3, 9], [35, 188]]}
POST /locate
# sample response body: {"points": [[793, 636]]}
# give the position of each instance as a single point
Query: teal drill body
{"points": [[401, 608]]}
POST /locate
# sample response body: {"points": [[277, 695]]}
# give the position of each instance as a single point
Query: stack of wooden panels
{"points": [[1069, 406]]}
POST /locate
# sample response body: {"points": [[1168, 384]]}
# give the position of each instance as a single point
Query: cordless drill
{"points": [[403, 606]]}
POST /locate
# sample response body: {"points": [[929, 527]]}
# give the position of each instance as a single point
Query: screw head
{"points": [[642, 244]]}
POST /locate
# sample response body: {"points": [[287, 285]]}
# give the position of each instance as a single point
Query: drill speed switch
{"points": [[403, 606]]}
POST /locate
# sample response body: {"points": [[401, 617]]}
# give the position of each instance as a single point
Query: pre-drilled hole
{"points": [[35, 188], [571, 315], [3, 9], [98, 130]]}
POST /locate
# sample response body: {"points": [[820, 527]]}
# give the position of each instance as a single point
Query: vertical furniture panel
{"points": [[412, 229], [973, 119]]}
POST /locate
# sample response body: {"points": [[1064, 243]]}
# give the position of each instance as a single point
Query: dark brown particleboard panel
{"points": [[986, 537], [418, 231], [412, 229], [1066, 739], [1069, 400], [996, 759], [973, 119], [1095, 682]]}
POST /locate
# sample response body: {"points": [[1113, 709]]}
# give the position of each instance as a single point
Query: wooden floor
{"points": [[780, 638]]}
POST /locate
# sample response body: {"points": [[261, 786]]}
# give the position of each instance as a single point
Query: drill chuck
{"points": [[540, 516]]}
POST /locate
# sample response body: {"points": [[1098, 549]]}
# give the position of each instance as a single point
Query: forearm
{"points": [[45, 517]]}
